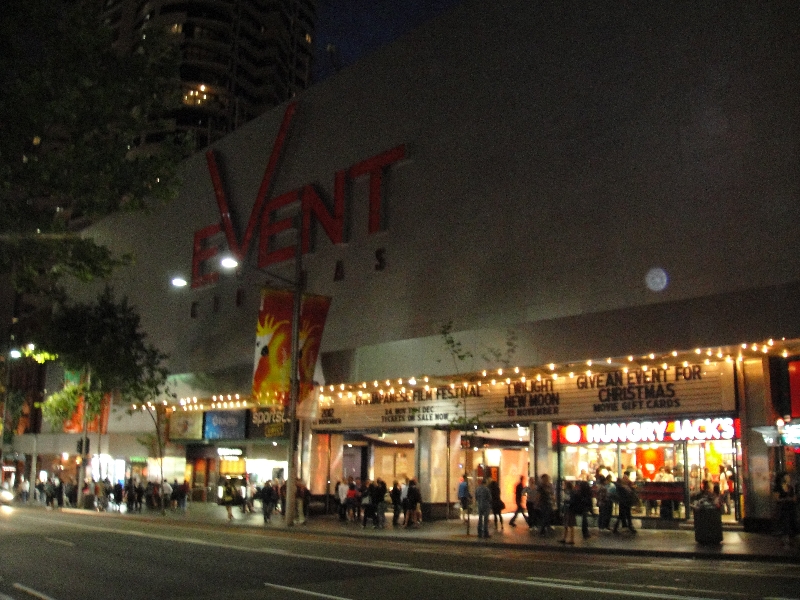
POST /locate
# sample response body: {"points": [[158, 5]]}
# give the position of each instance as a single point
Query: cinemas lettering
{"points": [[532, 398], [638, 389], [263, 222]]}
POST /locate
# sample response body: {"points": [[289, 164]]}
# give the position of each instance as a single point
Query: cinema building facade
{"points": [[552, 244]]}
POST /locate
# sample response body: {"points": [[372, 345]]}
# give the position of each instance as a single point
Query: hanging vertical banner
{"points": [[74, 424], [273, 350]]}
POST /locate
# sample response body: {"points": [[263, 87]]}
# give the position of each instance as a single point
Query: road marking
{"points": [[302, 591], [386, 563], [32, 592], [58, 541], [483, 578]]}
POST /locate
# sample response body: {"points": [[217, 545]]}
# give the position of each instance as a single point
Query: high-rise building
{"points": [[238, 57]]}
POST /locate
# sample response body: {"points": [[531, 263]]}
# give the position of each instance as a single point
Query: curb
{"points": [[703, 552]]}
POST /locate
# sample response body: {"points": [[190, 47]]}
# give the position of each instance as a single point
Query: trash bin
{"points": [[708, 525]]}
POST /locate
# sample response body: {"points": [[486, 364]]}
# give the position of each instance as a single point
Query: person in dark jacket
{"points": [[497, 503], [582, 505], [483, 499], [626, 497], [414, 503], [368, 504], [397, 503], [519, 492]]}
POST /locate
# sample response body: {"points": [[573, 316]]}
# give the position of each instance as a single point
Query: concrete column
{"points": [[336, 457], [755, 411], [318, 464], [433, 468], [543, 457]]}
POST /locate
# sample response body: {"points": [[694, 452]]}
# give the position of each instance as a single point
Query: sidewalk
{"points": [[672, 543]]}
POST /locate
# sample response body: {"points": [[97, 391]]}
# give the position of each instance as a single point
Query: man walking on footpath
{"points": [[519, 491], [464, 497], [483, 498], [626, 496]]}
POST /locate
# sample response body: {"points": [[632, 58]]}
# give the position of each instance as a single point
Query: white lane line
{"points": [[386, 563], [343, 561], [32, 592], [302, 591], [58, 541]]}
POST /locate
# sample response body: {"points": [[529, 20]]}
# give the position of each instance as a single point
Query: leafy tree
{"points": [[103, 342], [460, 355], [75, 111]]}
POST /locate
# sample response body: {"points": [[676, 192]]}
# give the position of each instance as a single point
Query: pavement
{"points": [[673, 543]]}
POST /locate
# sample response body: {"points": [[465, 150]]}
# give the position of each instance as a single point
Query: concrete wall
{"points": [[555, 154]]}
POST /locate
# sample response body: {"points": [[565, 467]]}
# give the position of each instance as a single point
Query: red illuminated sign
{"points": [[262, 219]]}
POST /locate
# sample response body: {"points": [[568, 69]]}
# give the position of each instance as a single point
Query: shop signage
{"points": [[268, 422], [724, 428], [649, 395], [185, 425], [791, 435], [229, 452], [262, 222], [225, 425]]}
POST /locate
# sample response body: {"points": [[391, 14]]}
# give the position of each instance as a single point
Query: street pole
{"points": [[84, 442], [291, 475], [33, 478], [5, 414]]}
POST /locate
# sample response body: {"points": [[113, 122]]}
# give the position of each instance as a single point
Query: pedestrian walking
{"points": [[785, 496], [568, 503], [464, 497], [497, 503], [545, 497], [519, 493], [626, 498], [583, 505], [605, 506], [483, 499]]}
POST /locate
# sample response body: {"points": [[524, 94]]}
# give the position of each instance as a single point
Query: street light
{"points": [[229, 263], [12, 354]]}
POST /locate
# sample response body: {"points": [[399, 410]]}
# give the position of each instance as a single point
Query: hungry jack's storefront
{"points": [[678, 414], [668, 459]]}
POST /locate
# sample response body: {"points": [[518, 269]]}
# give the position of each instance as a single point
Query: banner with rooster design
{"points": [[273, 351]]}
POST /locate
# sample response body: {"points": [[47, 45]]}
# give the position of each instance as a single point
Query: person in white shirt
{"points": [[166, 494]]}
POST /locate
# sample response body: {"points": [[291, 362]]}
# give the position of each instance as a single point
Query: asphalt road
{"points": [[61, 556]]}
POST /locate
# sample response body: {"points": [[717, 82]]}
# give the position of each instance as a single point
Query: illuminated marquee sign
{"points": [[645, 396], [724, 428], [262, 222]]}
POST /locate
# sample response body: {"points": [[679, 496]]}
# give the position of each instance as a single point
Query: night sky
{"points": [[358, 27]]}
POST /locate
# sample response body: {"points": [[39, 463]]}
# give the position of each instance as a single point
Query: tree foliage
{"points": [[74, 114], [104, 342]]}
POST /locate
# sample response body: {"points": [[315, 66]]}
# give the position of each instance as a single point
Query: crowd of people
{"points": [[359, 501], [364, 502], [600, 497]]}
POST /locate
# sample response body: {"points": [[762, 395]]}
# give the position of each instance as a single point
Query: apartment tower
{"points": [[238, 57]]}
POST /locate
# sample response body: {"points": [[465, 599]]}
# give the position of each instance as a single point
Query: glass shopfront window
{"points": [[667, 460]]}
